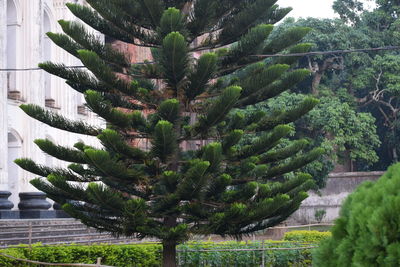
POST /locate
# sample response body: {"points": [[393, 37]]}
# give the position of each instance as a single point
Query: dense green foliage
{"points": [[377, 87], [334, 125], [367, 231], [305, 236], [363, 81], [149, 255], [370, 80], [192, 256], [348, 133], [352, 132], [146, 255], [194, 178]]}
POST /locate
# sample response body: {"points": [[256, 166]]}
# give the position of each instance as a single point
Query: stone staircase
{"points": [[52, 232], [71, 231]]}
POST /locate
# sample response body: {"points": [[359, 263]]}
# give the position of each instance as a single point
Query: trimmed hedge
{"points": [[141, 255], [306, 236], [367, 233], [115, 255]]}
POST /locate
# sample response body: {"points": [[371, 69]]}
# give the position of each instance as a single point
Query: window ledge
{"points": [[15, 95], [82, 110], [51, 103]]}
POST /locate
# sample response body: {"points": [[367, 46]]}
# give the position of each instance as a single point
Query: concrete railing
{"points": [[330, 199]]}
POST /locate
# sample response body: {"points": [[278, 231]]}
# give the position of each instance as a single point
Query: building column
{"points": [[33, 87], [3, 97]]}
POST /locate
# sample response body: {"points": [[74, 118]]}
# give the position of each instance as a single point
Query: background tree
{"points": [[377, 90], [348, 79], [373, 87], [349, 10], [336, 123], [372, 90], [165, 191], [330, 35]]}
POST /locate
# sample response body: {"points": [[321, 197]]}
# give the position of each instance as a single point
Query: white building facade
{"points": [[23, 45]]}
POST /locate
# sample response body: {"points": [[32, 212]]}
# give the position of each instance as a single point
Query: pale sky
{"points": [[315, 8], [309, 8]]}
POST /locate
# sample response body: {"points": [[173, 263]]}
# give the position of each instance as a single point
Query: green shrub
{"points": [[190, 254], [306, 236], [149, 255], [367, 231], [115, 255], [15, 252], [319, 215]]}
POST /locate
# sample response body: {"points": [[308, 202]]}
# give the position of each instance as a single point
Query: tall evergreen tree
{"points": [[167, 191]]}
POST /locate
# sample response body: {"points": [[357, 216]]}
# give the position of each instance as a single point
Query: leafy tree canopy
{"points": [[376, 88], [336, 122]]}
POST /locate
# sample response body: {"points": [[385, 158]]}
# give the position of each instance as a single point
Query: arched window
{"points": [[11, 50], [14, 151]]}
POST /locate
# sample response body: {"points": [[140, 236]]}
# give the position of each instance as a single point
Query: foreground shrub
{"points": [[115, 255], [367, 231], [306, 236], [148, 255]]}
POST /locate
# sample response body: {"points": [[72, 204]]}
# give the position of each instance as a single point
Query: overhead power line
{"points": [[68, 67], [37, 68], [316, 53]]}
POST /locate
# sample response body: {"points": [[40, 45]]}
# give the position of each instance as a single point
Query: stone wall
{"points": [[330, 199]]}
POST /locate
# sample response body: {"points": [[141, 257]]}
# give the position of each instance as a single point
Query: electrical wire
{"points": [[68, 67], [37, 68], [316, 53]]}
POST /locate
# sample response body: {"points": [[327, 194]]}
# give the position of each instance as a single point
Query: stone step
{"points": [[25, 228], [53, 232], [46, 232], [69, 238], [100, 240], [38, 222]]}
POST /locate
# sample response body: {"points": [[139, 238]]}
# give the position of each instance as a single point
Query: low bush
{"points": [[246, 254], [189, 254], [306, 236], [115, 255], [367, 231]]}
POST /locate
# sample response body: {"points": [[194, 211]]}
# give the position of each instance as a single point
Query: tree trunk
{"points": [[394, 150], [169, 254], [315, 83]]}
